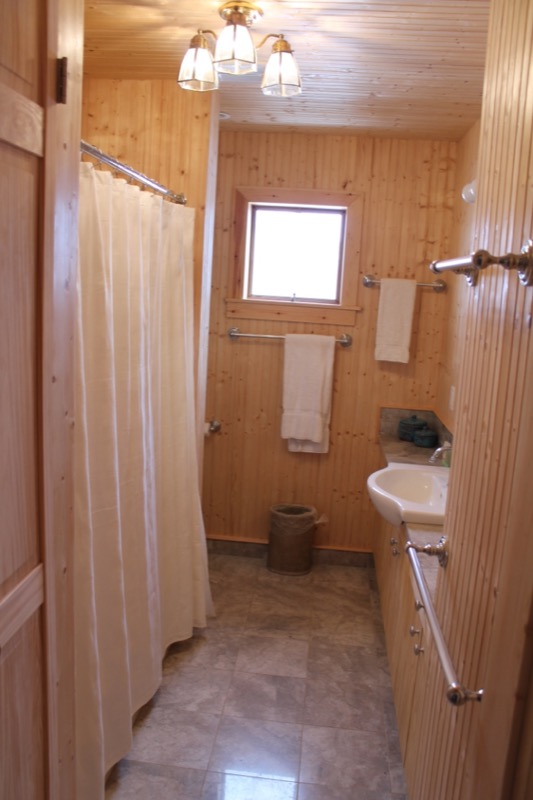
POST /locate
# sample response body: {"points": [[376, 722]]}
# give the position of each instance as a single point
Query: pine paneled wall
{"points": [[485, 594], [408, 191], [462, 243]]}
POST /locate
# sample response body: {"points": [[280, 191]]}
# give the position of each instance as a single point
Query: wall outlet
{"points": [[451, 399]]}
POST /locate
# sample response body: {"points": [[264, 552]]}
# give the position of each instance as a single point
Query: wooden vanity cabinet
{"points": [[402, 622]]}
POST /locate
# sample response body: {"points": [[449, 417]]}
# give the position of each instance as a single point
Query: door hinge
{"points": [[61, 80]]}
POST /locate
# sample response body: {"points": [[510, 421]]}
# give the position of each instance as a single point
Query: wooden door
{"points": [[39, 143]]}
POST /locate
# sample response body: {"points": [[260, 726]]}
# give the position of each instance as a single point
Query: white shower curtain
{"points": [[140, 558]]}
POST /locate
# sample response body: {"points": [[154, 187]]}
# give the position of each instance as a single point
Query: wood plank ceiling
{"points": [[380, 67]]}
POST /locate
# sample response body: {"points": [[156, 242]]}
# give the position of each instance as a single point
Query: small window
{"points": [[306, 269], [295, 253]]}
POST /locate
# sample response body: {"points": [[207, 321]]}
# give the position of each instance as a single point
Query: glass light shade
{"points": [[197, 71], [235, 51], [282, 76], [469, 192]]}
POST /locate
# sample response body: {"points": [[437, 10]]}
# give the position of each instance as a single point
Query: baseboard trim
{"points": [[259, 549]]}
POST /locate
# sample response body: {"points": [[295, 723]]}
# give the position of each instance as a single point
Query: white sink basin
{"points": [[410, 493]]}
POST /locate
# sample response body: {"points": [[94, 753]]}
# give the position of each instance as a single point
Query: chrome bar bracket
{"points": [[456, 693], [525, 269], [470, 266], [440, 550]]}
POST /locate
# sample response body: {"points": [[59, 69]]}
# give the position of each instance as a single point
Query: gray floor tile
{"points": [[194, 689], [141, 781], [310, 791], [272, 656], [275, 697], [257, 748], [168, 735], [285, 696], [207, 648], [359, 663], [343, 703], [344, 759], [224, 786]]}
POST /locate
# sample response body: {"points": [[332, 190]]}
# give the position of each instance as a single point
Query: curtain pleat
{"points": [[141, 578]]}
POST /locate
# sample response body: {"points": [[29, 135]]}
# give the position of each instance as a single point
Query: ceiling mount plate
{"points": [[250, 11]]}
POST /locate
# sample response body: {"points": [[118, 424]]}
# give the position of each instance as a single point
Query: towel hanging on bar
{"points": [[307, 387], [395, 320]]}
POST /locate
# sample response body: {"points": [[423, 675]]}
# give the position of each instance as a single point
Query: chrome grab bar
{"points": [[345, 340], [456, 693], [437, 286], [470, 266]]}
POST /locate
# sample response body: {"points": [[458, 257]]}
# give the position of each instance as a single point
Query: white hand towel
{"points": [[307, 385], [395, 319]]}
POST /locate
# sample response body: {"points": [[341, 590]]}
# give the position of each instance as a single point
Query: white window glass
{"points": [[295, 253]]}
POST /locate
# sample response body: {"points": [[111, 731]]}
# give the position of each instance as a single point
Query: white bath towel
{"points": [[307, 384], [395, 319]]}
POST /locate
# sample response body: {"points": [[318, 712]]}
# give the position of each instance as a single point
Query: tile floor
{"points": [[285, 696]]}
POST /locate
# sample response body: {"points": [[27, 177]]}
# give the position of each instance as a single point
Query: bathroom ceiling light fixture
{"points": [[236, 54]]}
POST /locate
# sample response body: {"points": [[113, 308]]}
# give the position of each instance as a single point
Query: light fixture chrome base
{"points": [[249, 11]]}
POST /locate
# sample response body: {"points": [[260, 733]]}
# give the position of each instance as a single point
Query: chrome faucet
{"points": [[443, 453]]}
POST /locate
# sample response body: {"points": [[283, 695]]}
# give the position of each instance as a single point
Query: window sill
{"points": [[315, 313]]}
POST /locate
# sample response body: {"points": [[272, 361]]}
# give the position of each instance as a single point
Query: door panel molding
{"points": [[21, 602]]}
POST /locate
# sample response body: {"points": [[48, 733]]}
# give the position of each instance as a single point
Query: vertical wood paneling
{"points": [[39, 152], [18, 348], [407, 216], [58, 282], [147, 124], [485, 594], [457, 294], [22, 734]]}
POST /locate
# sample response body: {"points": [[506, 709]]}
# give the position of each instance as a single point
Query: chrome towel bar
{"points": [[345, 340], [470, 266], [456, 693], [437, 286]]}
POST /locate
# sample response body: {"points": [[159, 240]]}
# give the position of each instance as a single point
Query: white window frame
{"points": [[301, 210]]}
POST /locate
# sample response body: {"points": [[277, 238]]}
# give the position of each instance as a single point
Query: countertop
{"points": [[401, 452]]}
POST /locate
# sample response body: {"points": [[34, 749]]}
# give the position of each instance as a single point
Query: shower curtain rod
{"points": [[94, 152]]}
